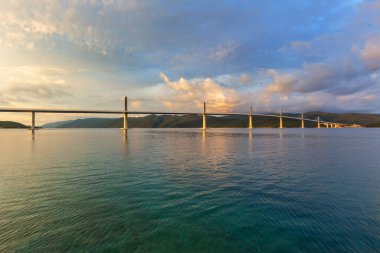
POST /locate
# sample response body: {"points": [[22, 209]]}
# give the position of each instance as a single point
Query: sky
{"points": [[294, 55]]}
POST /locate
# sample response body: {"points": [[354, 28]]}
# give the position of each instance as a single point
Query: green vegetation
{"points": [[11, 124], [376, 124], [348, 118], [195, 121], [174, 121]]}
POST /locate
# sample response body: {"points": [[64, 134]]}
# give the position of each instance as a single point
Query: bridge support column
{"points": [[302, 122], [281, 119], [250, 124], [125, 122], [319, 123], [33, 120], [204, 116]]}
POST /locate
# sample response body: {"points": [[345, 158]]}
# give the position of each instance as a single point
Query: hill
{"points": [[11, 124], [56, 124], [348, 118]]}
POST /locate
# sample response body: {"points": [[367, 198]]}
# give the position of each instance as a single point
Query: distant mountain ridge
{"points": [[195, 121]]}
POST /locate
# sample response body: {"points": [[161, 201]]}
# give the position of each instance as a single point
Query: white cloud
{"points": [[189, 93], [26, 84]]}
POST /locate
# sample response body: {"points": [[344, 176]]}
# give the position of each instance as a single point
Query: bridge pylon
{"points": [[302, 122], [281, 126], [204, 116], [33, 120], [250, 123], [125, 114]]}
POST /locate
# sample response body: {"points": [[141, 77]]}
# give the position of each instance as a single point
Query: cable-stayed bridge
{"points": [[125, 112]]}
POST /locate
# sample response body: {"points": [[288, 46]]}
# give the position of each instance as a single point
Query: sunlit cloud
{"points": [[197, 91], [371, 53]]}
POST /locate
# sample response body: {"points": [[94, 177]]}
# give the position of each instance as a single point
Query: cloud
{"points": [[370, 54], [300, 44], [33, 84], [186, 94], [213, 37], [251, 52], [344, 63], [245, 79], [296, 45], [35, 71], [223, 51], [182, 84], [343, 79], [27, 91]]}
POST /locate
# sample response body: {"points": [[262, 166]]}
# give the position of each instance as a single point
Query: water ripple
{"points": [[171, 190]]}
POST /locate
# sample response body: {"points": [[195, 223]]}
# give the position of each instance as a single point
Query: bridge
{"points": [[125, 113]]}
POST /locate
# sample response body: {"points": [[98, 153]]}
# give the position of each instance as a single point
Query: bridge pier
{"points": [[204, 116], [33, 121], [125, 114], [281, 119], [250, 124], [302, 122], [319, 123]]}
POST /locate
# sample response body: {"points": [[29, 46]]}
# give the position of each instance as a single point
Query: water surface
{"points": [[171, 190]]}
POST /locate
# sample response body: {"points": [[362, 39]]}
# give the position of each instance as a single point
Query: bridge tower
{"points": [[281, 119], [33, 120], [204, 116], [250, 125], [302, 122], [125, 122], [319, 122]]}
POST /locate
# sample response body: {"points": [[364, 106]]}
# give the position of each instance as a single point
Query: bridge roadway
{"points": [[36, 110]]}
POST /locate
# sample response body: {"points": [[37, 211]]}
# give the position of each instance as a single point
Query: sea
{"points": [[189, 190]]}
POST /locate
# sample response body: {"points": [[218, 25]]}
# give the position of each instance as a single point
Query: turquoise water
{"points": [[228, 190]]}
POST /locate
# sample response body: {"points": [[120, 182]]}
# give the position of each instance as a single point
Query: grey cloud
{"points": [[343, 65], [159, 34], [340, 79]]}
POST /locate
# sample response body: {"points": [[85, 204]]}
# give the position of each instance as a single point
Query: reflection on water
{"points": [[172, 190]]}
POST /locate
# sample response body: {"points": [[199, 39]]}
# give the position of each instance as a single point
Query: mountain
{"points": [[195, 121], [348, 118], [56, 124], [11, 124]]}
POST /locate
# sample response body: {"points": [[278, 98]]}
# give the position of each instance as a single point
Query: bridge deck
{"points": [[36, 110]]}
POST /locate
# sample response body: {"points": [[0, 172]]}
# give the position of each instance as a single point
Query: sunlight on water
{"points": [[170, 190]]}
